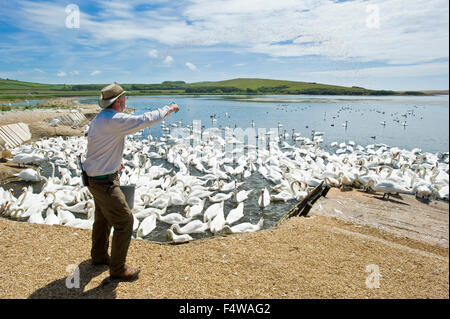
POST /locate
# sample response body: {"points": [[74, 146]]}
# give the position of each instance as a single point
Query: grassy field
{"points": [[11, 90], [252, 83]]}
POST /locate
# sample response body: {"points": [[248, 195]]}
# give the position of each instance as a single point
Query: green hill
{"points": [[20, 85], [13, 90], [254, 85]]}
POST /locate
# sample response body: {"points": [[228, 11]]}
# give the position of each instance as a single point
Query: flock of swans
{"points": [[195, 180]]}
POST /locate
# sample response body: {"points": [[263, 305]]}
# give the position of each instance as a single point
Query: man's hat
{"points": [[110, 94]]}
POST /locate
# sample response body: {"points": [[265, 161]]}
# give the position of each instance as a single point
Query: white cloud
{"points": [[61, 74], [409, 32], [395, 77], [168, 60], [96, 72], [74, 72], [191, 66], [153, 53], [419, 70]]}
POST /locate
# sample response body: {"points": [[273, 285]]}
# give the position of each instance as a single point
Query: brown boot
{"points": [[128, 274]]}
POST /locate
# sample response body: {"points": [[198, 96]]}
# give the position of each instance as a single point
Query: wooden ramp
{"points": [[70, 119], [303, 207], [13, 135]]}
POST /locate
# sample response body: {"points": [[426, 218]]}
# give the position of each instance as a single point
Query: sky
{"points": [[389, 44]]}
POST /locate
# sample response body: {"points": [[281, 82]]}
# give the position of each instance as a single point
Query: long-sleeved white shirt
{"points": [[106, 138]]}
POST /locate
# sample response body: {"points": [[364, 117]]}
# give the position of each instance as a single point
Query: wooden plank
{"points": [[303, 207], [20, 132], [10, 133], [5, 137], [16, 132], [26, 129]]}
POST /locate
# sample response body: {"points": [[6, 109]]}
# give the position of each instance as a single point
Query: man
{"points": [[106, 138]]}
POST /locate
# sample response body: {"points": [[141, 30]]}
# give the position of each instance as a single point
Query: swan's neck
{"points": [[51, 193], [24, 197]]}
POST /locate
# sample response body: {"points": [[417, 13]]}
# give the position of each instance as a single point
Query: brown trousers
{"points": [[111, 209]]}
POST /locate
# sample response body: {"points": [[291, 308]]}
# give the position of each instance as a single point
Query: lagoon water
{"points": [[427, 117]]}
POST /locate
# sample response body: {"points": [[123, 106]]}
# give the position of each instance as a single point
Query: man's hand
{"points": [[173, 108]]}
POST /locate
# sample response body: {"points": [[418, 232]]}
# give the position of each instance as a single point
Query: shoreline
{"points": [[132, 94]]}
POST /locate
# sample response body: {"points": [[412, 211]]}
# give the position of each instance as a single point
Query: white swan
{"points": [[217, 222], [173, 218], [331, 181], [220, 197], [365, 177], [161, 202], [443, 192], [63, 215], [30, 175], [80, 208], [51, 218], [264, 198], [84, 223], [36, 217], [243, 227], [171, 236], [148, 211], [22, 158], [423, 190], [191, 211], [230, 186], [212, 211], [64, 196], [242, 195], [147, 226], [388, 188], [235, 214], [282, 196], [195, 226]]}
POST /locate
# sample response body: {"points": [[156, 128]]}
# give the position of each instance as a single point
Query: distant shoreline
{"points": [[16, 91], [237, 97]]}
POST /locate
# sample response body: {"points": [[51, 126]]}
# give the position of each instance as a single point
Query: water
{"points": [[427, 117], [28, 102]]}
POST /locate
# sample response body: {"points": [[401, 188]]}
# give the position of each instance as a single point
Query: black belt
{"points": [[103, 176]]}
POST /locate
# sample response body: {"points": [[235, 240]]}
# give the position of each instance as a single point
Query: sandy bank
{"points": [[315, 257]]}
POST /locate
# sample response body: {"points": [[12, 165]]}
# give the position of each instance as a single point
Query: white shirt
{"points": [[106, 138]]}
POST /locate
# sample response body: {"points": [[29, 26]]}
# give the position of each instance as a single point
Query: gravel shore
{"points": [[316, 257]]}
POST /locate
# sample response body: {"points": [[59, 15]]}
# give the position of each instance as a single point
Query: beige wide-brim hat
{"points": [[110, 94]]}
